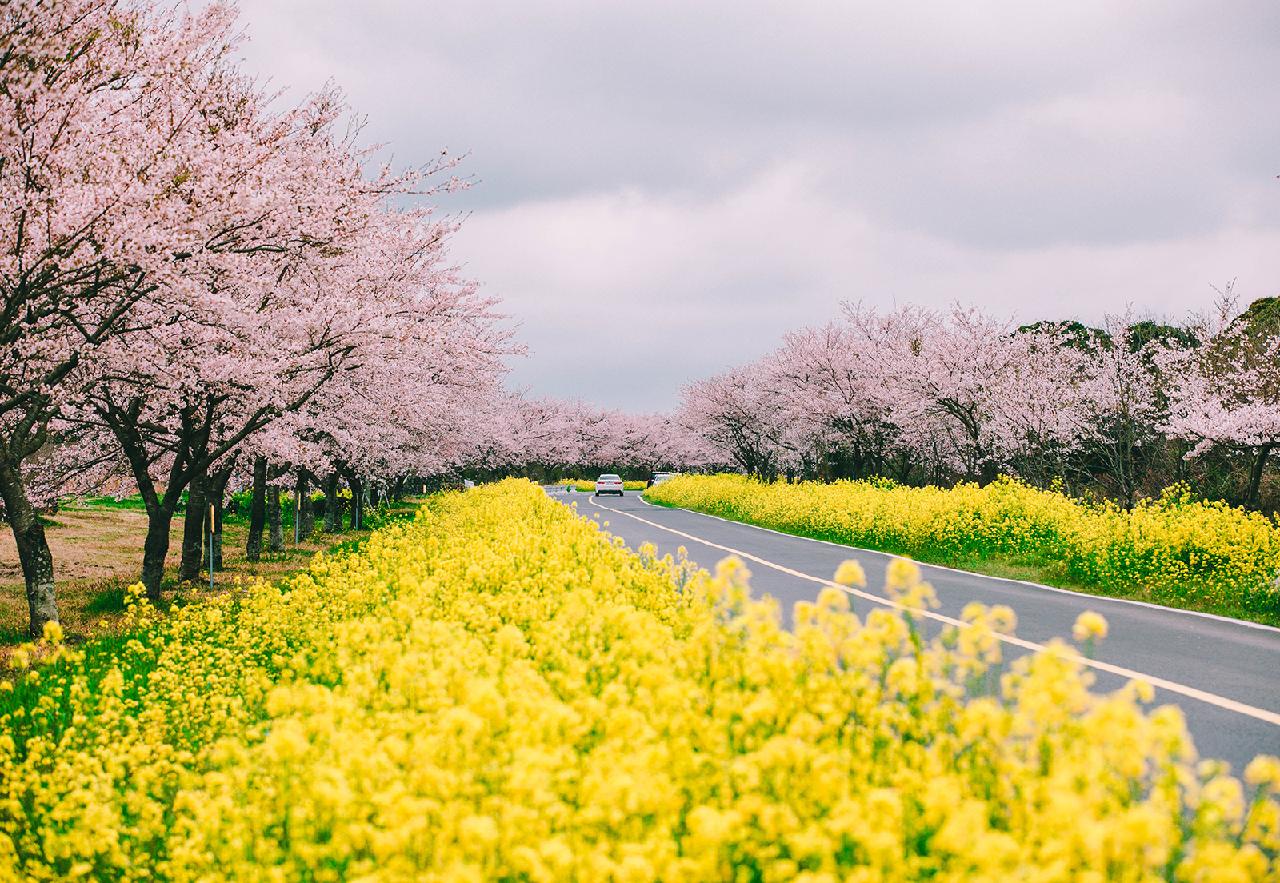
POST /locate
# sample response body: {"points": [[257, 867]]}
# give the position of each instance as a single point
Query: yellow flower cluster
{"points": [[585, 486], [500, 691], [1175, 550]]}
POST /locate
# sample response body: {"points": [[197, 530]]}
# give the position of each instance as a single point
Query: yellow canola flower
{"points": [[1089, 626], [1263, 770], [902, 573], [20, 657], [850, 573], [1143, 691], [52, 632], [497, 690]]}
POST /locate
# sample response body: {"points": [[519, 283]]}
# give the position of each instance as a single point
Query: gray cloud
{"points": [[701, 177]]}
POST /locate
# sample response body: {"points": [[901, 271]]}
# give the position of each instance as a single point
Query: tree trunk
{"points": [[276, 527], [1255, 477], [332, 515], [308, 515], [217, 496], [257, 510], [33, 549], [357, 502], [216, 537], [193, 527], [155, 549], [305, 515]]}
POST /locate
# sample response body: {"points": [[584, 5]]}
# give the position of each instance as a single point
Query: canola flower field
{"points": [[586, 486], [1174, 551], [498, 690]]}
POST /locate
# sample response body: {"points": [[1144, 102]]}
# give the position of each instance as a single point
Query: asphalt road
{"points": [[1223, 673]]}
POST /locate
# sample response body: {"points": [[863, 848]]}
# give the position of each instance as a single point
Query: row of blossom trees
{"points": [[918, 395], [549, 438], [196, 284]]}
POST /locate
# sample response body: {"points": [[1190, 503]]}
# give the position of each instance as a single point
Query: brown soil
{"points": [[86, 544]]}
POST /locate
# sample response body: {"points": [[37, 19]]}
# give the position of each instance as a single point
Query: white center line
{"points": [[1213, 699]]}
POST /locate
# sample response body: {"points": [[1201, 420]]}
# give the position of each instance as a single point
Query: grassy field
{"points": [[97, 551], [1175, 551]]}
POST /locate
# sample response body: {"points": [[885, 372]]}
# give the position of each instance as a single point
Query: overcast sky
{"points": [[663, 189]]}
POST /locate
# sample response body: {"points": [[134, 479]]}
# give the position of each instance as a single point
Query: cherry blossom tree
{"points": [[1122, 398], [829, 381], [968, 391], [410, 403], [1225, 390], [1040, 410], [99, 114], [739, 414]]}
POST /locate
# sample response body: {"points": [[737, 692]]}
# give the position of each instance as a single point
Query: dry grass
{"points": [[97, 553]]}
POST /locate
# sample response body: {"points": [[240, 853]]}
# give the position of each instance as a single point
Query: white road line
{"points": [[1222, 702], [1199, 614]]}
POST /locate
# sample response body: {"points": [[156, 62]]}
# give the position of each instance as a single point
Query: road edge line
{"points": [[1199, 614]]}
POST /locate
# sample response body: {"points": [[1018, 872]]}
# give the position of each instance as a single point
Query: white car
{"points": [[609, 484], [659, 478]]}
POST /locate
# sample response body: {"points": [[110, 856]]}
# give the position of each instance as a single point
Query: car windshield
{"points": [[608, 478]]}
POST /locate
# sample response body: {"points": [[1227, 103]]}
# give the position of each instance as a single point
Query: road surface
{"points": [[1223, 673]]}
